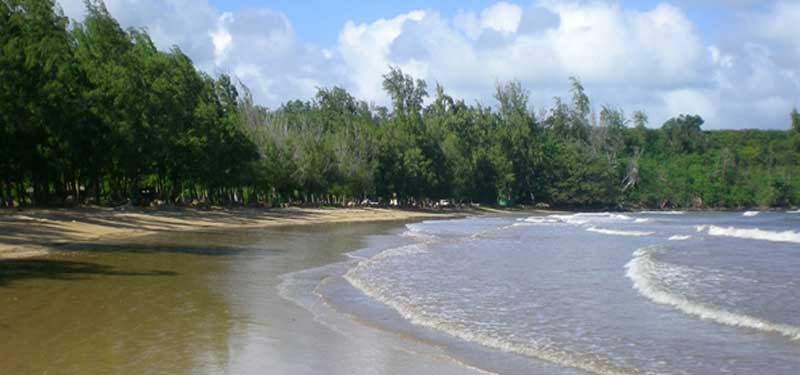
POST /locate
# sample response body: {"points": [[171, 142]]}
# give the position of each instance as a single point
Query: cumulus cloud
{"points": [[654, 59]]}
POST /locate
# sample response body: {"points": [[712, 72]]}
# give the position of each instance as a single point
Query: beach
{"points": [[35, 232], [432, 294]]}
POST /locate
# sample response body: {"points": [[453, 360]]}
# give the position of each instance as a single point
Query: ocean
{"points": [[664, 292]]}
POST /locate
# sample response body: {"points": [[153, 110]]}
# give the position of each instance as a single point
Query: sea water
{"points": [[599, 293]]}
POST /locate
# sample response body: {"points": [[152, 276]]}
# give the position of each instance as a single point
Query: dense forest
{"points": [[91, 113]]}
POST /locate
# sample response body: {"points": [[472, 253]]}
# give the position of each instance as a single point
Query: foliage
{"points": [[93, 113]]}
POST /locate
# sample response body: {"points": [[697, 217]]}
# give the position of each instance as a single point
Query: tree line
{"points": [[91, 113]]}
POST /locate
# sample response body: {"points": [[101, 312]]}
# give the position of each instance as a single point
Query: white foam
{"points": [[360, 277], [752, 234], [663, 212], [751, 213], [644, 270], [793, 212], [642, 220], [583, 218], [701, 228], [542, 220], [619, 232], [679, 238], [416, 314]]}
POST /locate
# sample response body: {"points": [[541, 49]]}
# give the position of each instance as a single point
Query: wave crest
{"points": [[679, 237], [359, 277], [644, 270], [585, 218], [630, 233], [751, 233]]}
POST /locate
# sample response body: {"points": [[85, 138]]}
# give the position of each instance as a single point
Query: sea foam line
{"points": [[545, 352], [644, 270], [663, 212], [583, 218], [416, 315], [630, 233], [679, 237], [751, 234]]}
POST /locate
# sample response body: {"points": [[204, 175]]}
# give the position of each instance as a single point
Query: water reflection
{"points": [[191, 303]]}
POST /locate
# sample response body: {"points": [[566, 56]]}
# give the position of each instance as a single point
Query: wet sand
{"points": [[192, 303], [30, 233]]}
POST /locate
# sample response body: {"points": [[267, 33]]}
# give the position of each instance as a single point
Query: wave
{"points": [[620, 232], [644, 270], [542, 220], [751, 234], [416, 314], [793, 212], [751, 213], [583, 218], [679, 237], [663, 212]]}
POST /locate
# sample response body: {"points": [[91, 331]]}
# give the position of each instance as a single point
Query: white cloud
{"points": [[221, 38], [655, 59], [502, 17], [691, 101], [364, 50]]}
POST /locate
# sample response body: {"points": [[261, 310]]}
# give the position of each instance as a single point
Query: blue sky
{"points": [[320, 21], [734, 62]]}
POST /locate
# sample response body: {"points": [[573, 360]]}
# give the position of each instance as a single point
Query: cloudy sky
{"points": [[734, 62]]}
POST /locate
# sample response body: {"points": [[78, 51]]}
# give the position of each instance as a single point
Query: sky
{"points": [[734, 62]]}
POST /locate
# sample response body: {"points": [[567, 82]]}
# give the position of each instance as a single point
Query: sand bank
{"points": [[30, 233]]}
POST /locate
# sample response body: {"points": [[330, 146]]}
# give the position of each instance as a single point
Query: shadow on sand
{"points": [[23, 269], [155, 248]]}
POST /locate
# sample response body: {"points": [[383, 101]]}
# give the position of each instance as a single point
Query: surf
{"points": [[416, 314], [751, 233], [644, 270], [630, 233]]}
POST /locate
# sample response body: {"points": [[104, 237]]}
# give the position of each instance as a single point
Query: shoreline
{"points": [[215, 295], [29, 233], [36, 232]]}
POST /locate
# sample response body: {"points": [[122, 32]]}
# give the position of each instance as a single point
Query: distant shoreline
{"points": [[27, 233], [36, 232]]}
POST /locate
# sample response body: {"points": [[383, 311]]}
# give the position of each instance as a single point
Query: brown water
{"points": [[192, 303]]}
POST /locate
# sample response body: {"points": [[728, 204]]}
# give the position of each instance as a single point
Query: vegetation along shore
{"points": [[91, 113]]}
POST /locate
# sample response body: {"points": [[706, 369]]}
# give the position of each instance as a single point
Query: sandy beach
{"points": [[31, 233]]}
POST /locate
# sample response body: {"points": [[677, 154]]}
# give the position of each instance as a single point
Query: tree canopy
{"points": [[91, 113]]}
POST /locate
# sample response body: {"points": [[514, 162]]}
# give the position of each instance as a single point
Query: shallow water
{"points": [[648, 293], [193, 303]]}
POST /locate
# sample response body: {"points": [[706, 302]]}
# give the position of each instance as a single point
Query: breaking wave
{"points": [[631, 233], [751, 213], [751, 234], [647, 275], [585, 218], [663, 212], [409, 308], [679, 237]]}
